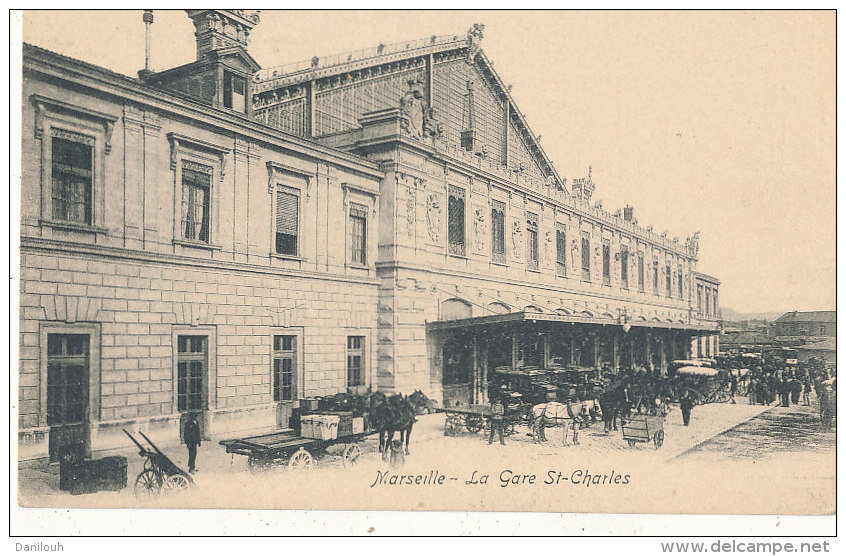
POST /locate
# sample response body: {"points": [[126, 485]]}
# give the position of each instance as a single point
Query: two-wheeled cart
{"points": [[289, 449], [644, 428], [476, 417], [160, 475]]}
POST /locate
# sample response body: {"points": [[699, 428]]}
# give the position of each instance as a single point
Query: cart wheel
{"points": [[474, 423], [659, 439], [301, 460], [631, 442], [723, 396], [351, 455], [147, 485], [175, 484]]}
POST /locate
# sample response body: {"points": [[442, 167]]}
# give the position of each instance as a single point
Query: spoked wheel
{"points": [[175, 484], [474, 423], [658, 439], [147, 485], [301, 460], [631, 442], [352, 453], [722, 396]]}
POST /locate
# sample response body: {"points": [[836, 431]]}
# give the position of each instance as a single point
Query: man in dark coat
{"points": [[733, 386], [498, 415], [686, 404], [191, 436]]}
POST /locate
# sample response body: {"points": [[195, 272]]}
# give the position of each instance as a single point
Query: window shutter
{"points": [[286, 213]]}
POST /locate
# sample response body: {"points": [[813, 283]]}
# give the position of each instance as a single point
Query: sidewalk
{"points": [[40, 486]]}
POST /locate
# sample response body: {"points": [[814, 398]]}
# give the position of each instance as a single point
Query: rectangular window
{"points": [[606, 263], [669, 280], [234, 92], [455, 230], [196, 201], [358, 234], [67, 378], [355, 361], [498, 231], [624, 266], [284, 368], [707, 302], [287, 222], [72, 180], [655, 277], [585, 256], [699, 299], [641, 273], [681, 283], [532, 241], [561, 252], [191, 365]]}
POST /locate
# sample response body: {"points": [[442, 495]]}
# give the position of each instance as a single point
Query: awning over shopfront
{"points": [[577, 318]]}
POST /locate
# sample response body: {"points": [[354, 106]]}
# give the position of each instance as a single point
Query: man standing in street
{"points": [[497, 416], [191, 435], [686, 404], [733, 386]]}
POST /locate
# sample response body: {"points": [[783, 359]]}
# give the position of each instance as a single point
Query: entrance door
{"points": [[67, 393], [458, 370]]}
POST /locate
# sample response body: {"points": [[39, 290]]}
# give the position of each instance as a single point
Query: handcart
{"points": [[160, 475], [645, 428]]}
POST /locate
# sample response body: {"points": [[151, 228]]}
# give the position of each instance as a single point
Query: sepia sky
{"points": [[721, 122]]}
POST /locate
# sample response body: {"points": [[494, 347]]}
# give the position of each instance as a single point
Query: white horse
{"points": [[555, 414]]}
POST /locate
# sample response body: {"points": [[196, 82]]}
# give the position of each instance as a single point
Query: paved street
{"points": [[772, 433]]}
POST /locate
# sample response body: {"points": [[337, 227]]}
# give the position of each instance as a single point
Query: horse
{"points": [[610, 405], [389, 415], [553, 414], [421, 403]]}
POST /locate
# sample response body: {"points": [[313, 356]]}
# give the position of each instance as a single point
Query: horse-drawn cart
{"points": [[476, 417], [292, 450], [646, 428], [160, 475]]}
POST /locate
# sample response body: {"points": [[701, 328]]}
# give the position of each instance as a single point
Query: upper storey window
{"points": [[586, 256], [641, 271], [287, 222], [196, 201], [669, 278], [358, 234], [561, 251], [606, 263], [455, 231], [72, 177], [624, 266], [532, 241], [234, 92], [498, 231]]}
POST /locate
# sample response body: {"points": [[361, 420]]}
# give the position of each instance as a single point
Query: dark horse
{"points": [[396, 413], [611, 403]]}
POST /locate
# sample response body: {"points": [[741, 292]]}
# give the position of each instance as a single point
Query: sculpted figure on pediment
{"points": [[516, 238], [433, 217], [479, 229]]}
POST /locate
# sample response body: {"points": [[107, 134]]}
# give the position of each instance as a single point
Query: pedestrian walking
{"points": [[733, 387], [686, 404], [191, 436], [806, 391], [795, 390], [752, 391]]}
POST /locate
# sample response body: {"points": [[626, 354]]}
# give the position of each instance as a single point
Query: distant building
{"points": [[802, 327], [825, 350]]}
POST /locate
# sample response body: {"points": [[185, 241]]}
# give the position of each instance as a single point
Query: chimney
{"points": [[218, 29], [147, 18], [628, 213]]}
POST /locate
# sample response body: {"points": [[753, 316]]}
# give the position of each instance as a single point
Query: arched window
{"points": [[454, 309]]}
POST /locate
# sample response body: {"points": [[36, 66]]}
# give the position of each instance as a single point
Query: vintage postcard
{"points": [[530, 261]]}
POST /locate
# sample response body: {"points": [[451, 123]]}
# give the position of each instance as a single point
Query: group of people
{"points": [[767, 385]]}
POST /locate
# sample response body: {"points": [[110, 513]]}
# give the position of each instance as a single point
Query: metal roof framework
{"points": [[532, 317]]}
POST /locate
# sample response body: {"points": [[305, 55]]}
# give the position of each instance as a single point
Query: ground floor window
{"points": [[355, 361], [284, 368], [67, 378], [192, 369]]}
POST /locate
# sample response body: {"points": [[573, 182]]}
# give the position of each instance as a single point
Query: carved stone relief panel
{"points": [[480, 228], [434, 216]]}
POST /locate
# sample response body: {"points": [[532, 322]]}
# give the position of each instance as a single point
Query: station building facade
{"points": [[224, 240]]}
